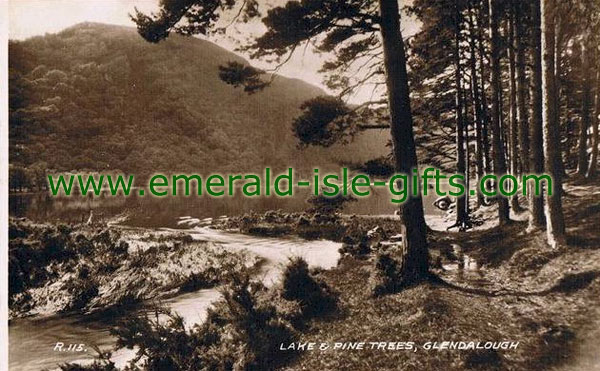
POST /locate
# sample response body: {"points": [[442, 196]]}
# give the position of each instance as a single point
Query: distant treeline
{"points": [[99, 98]]}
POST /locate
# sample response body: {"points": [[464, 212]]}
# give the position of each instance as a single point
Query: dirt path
{"points": [[587, 350], [586, 355]]}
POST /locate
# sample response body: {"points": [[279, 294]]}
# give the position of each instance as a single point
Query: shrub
{"points": [[144, 258], [56, 243], [162, 344], [386, 275], [315, 297], [201, 280], [242, 331], [16, 230], [82, 290], [251, 328], [379, 167], [84, 245], [247, 221], [355, 247], [325, 205], [22, 259], [34, 247]]}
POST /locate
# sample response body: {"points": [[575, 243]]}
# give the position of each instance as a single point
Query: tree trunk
{"points": [[591, 171], [477, 110], [582, 160], [557, 52], [498, 155], [461, 207], [514, 135], [554, 214], [536, 158], [503, 127], [484, 106], [414, 259], [521, 89], [467, 160]]}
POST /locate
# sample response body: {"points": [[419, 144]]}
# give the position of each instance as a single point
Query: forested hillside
{"points": [[98, 97]]}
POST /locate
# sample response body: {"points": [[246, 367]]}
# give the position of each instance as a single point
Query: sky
{"points": [[36, 17], [29, 18]]}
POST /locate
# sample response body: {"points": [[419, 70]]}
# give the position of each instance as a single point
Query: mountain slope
{"points": [[99, 97]]}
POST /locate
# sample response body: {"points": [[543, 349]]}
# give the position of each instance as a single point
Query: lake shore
{"points": [[83, 269], [495, 283], [265, 257]]}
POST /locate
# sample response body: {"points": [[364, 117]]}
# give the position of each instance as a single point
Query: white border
{"points": [[4, 184]]}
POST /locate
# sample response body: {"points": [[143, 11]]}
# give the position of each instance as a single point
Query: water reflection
{"points": [[148, 211]]}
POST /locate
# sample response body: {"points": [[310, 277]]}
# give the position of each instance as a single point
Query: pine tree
{"points": [[498, 154], [522, 109], [484, 100], [352, 31], [553, 206], [536, 155], [591, 171], [513, 127], [461, 156], [582, 147], [477, 108], [592, 10], [415, 256]]}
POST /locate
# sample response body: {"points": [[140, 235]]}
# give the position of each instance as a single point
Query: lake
{"points": [[41, 334], [149, 211]]}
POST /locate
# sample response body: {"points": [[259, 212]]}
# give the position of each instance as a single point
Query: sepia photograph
{"points": [[300, 185]]}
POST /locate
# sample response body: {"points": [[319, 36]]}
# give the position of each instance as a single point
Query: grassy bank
{"points": [[69, 268], [512, 287], [520, 291]]}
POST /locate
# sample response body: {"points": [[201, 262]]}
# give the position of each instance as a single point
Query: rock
{"points": [[375, 233], [189, 222], [374, 237]]}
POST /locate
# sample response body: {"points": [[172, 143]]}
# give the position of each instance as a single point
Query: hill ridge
{"points": [[97, 96]]}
